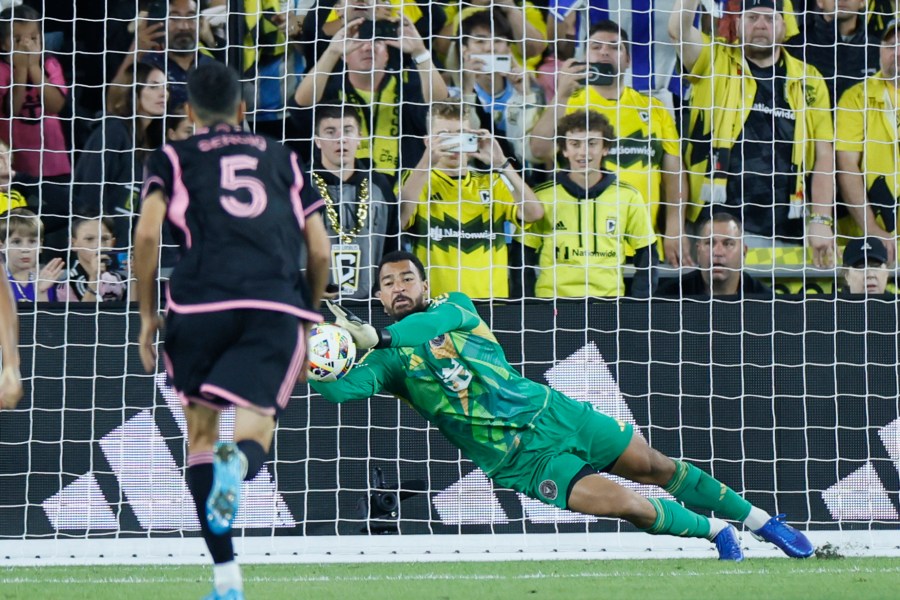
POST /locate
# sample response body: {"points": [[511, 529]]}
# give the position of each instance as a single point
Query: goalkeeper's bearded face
{"points": [[402, 291]]}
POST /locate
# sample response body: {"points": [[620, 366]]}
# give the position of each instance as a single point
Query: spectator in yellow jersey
{"points": [[866, 147], [647, 151], [457, 216], [589, 217], [720, 256], [759, 133]]}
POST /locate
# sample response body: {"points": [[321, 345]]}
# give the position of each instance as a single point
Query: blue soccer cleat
{"points": [[792, 542], [729, 545], [229, 465], [229, 595]]}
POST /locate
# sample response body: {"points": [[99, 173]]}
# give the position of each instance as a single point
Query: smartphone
{"points": [[463, 142], [378, 30], [495, 63], [158, 10]]}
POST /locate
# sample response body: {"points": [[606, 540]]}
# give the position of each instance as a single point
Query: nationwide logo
{"points": [[778, 113], [441, 233]]}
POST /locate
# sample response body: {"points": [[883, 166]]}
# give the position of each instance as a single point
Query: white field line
{"points": [[162, 579]]}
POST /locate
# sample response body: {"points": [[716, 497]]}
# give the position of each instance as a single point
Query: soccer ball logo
{"points": [[332, 352]]}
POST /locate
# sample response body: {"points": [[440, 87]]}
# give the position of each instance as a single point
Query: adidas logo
{"points": [[561, 226], [153, 483]]}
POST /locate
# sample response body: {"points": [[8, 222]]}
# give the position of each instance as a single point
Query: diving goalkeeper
{"points": [[443, 359]]}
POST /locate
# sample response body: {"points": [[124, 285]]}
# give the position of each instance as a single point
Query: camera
{"points": [[600, 74], [378, 30], [495, 63], [463, 142]]}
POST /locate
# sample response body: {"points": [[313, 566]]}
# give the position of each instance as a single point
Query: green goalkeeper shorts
{"points": [[566, 438]]}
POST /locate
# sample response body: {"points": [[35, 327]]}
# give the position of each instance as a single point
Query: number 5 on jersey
{"points": [[231, 181]]}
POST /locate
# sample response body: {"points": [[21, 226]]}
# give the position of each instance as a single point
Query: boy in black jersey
{"points": [[239, 308]]}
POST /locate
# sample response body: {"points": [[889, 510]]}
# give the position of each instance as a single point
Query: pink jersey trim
{"points": [[214, 390], [295, 192], [290, 378], [178, 203], [238, 304], [152, 179], [315, 206], [188, 400], [200, 458]]}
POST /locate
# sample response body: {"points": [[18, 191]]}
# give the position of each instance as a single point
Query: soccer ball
{"points": [[332, 352]]}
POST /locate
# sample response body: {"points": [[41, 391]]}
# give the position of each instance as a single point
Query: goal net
{"points": [[790, 398]]}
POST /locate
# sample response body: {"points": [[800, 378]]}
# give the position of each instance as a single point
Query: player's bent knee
{"points": [[643, 464]]}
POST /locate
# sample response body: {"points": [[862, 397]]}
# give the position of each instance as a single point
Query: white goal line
{"points": [[418, 548]]}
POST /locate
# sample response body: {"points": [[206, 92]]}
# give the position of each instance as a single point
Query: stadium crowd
{"points": [[520, 149]]}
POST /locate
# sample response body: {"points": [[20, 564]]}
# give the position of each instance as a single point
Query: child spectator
{"points": [[178, 126], [30, 123], [90, 279], [20, 237]]}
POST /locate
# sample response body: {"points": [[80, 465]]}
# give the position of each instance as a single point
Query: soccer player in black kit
{"points": [[239, 307]]}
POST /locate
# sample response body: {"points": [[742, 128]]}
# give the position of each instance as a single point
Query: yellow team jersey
{"points": [[867, 122], [380, 109], [458, 233], [583, 234], [644, 130]]}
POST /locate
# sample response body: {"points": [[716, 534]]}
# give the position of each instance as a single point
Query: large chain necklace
{"points": [[362, 209]]}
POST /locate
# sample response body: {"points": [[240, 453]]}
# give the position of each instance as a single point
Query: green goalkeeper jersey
{"points": [[446, 363]]}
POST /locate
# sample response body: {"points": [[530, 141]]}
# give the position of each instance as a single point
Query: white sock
{"points": [[715, 527], [756, 519], [227, 576]]}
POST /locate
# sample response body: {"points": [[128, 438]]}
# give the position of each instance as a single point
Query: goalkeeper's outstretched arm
{"points": [[363, 381]]}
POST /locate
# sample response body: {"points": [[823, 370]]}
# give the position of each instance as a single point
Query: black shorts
{"points": [[247, 358]]}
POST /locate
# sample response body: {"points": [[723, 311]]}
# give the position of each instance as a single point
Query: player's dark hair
{"points": [[334, 111], [493, 21], [400, 256], [18, 14], [214, 92], [609, 26]]}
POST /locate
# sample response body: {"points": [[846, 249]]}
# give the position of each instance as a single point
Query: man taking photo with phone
{"points": [[457, 216], [647, 152]]}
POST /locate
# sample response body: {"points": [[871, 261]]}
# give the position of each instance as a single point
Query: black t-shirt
{"points": [[238, 204], [761, 176], [693, 284]]}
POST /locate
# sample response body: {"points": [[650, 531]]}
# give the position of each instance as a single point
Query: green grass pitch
{"points": [[848, 578]]}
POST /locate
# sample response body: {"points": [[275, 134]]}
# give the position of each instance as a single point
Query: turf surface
{"points": [[848, 578]]}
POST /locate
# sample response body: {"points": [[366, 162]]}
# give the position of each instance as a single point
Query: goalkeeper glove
{"points": [[364, 335]]}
